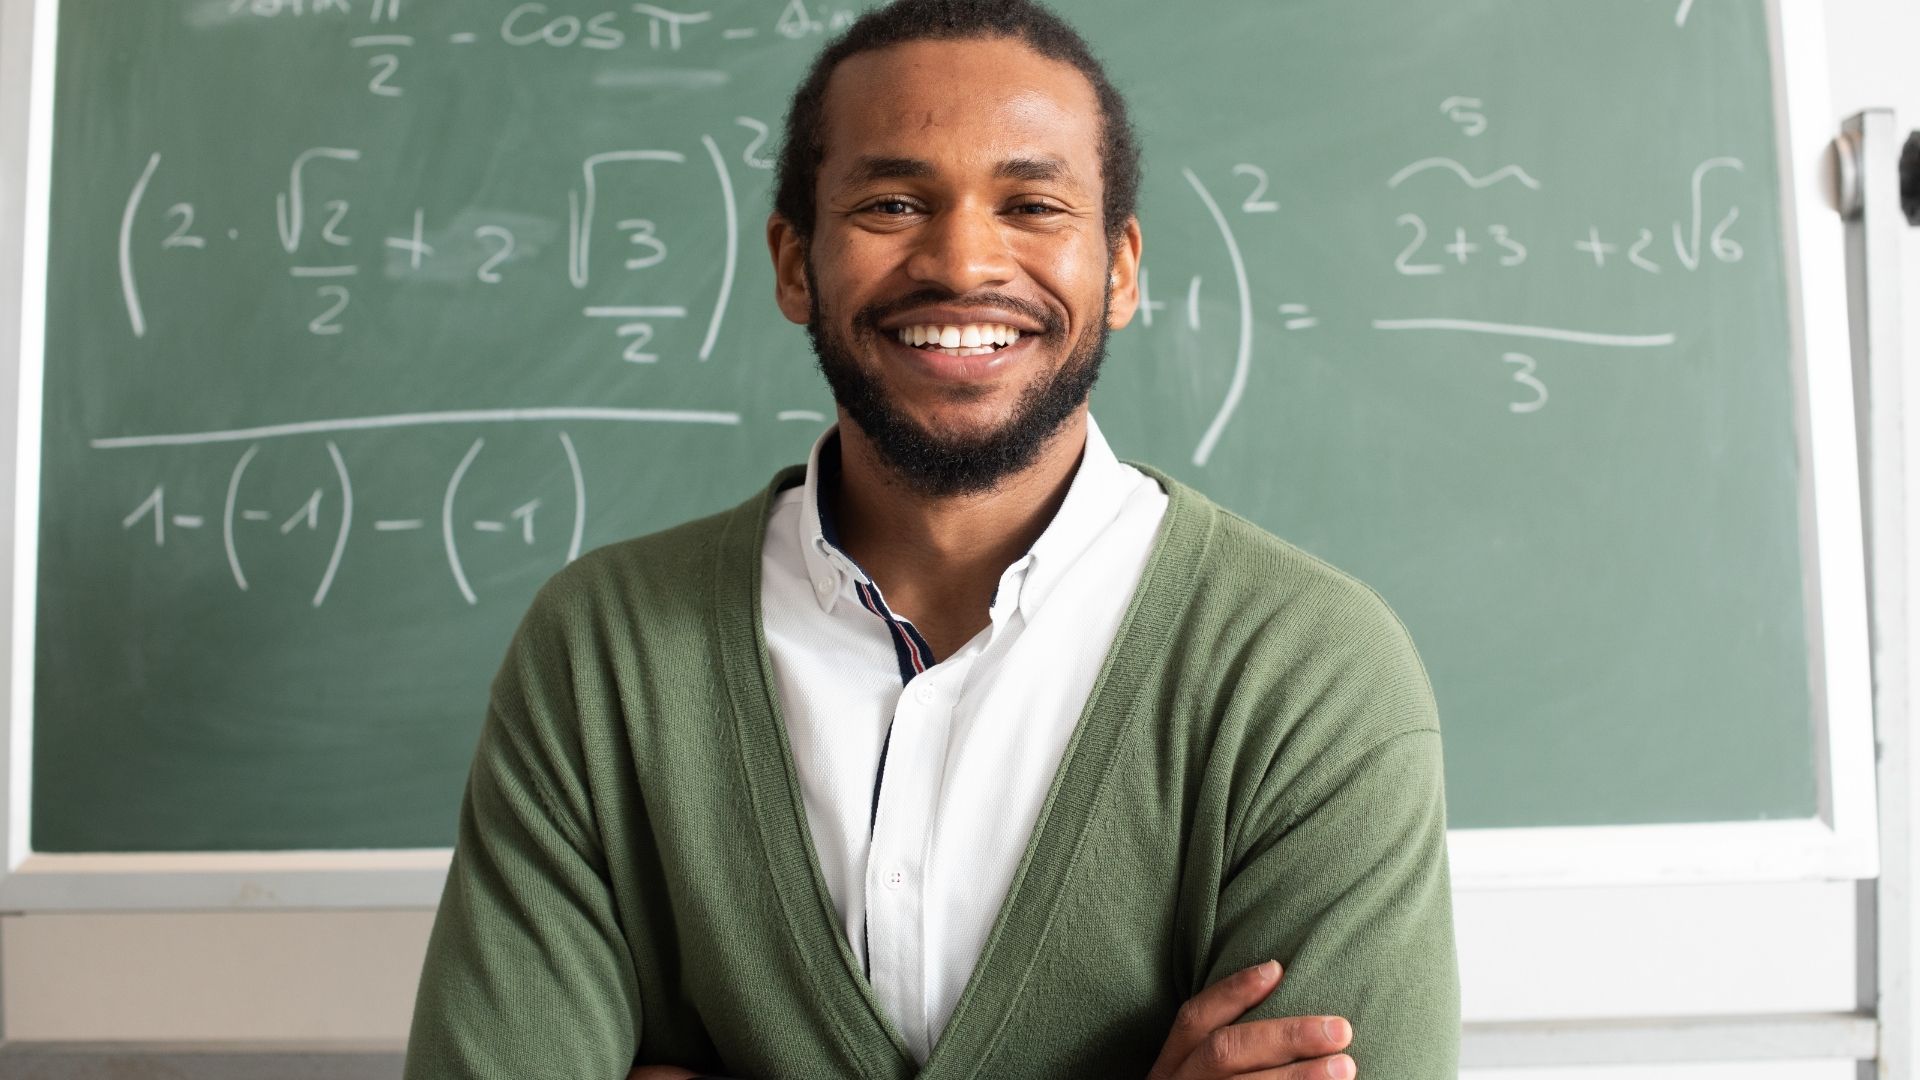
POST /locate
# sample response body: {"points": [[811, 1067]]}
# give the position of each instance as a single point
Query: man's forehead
{"points": [[889, 102]]}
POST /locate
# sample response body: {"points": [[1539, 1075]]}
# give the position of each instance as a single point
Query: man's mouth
{"points": [[972, 339]]}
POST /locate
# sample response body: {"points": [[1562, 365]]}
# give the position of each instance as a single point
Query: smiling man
{"points": [[967, 749]]}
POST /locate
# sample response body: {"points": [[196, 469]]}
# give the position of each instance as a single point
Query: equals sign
{"points": [[1301, 320]]}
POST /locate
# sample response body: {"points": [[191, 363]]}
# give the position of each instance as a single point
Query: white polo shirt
{"points": [[923, 780]]}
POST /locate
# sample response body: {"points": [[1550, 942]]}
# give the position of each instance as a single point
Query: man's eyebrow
{"points": [[1034, 170], [869, 169]]}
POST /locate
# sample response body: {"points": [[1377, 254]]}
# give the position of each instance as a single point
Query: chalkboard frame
{"points": [[1840, 842]]}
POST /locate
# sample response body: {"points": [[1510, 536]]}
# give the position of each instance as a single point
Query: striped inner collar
{"points": [[910, 649]]}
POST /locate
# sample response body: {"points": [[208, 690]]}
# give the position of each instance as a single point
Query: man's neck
{"points": [[938, 560]]}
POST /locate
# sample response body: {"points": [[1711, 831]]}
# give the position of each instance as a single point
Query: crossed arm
{"points": [[1206, 1044]]}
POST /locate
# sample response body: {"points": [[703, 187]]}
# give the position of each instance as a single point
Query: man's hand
{"points": [[661, 1072], [1206, 1044]]}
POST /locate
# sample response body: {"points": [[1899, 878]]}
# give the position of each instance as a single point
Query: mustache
{"points": [[869, 318]]}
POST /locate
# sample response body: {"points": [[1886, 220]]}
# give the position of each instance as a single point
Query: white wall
{"points": [[1595, 953]]}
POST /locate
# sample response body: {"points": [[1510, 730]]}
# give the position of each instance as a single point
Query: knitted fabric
{"points": [[1256, 774]]}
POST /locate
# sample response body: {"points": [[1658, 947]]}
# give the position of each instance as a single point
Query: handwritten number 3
{"points": [[1525, 378]]}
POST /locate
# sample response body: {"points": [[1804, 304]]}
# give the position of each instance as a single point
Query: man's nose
{"points": [[963, 249]]}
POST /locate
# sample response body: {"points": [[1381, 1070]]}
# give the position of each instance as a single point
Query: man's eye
{"points": [[891, 207], [1036, 209]]}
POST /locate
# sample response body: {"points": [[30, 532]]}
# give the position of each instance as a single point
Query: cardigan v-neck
{"points": [[1020, 927]]}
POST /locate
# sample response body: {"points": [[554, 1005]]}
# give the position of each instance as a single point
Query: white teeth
{"points": [[976, 338]]}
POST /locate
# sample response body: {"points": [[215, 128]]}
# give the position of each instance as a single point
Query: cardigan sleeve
{"points": [[1345, 881], [527, 973]]}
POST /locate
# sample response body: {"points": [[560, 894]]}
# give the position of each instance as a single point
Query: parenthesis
{"points": [[579, 498], [346, 520], [226, 528], [733, 245], [446, 521], [1244, 355], [130, 291]]}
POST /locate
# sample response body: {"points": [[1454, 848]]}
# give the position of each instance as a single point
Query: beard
{"points": [[936, 465]]}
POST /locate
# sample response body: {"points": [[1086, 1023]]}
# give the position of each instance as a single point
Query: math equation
{"points": [[651, 282]]}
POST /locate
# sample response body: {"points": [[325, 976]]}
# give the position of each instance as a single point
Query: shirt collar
{"points": [[1093, 500], [827, 565]]}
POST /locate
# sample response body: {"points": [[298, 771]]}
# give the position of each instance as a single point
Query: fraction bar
{"points": [[1578, 337], [636, 313], [428, 419]]}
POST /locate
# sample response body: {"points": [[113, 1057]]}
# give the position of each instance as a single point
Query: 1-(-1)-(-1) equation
{"points": [[242, 522], [315, 235]]}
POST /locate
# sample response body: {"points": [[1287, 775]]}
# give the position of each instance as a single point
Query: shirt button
{"points": [[896, 878], [924, 694], [825, 585]]}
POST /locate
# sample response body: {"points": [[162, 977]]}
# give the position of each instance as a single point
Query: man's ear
{"points": [[1123, 284], [789, 252]]}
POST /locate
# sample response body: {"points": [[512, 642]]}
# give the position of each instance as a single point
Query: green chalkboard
{"points": [[363, 316]]}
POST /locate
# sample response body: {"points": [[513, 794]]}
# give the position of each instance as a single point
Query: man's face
{"points": [[960, 195]]}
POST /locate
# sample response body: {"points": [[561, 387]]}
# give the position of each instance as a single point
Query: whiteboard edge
{"points": [[26, 115], [1817, 288], [1709, 853], [1758, 852]]}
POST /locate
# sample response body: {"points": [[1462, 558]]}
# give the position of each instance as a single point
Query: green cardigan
{"points": [[1256, 774]]}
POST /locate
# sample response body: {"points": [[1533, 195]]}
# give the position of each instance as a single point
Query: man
{"points": [[967, 750]]}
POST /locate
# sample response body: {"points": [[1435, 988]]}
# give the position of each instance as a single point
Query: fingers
{"points": [[1213, 1008], [1336, 1067], [1306, 1045]]}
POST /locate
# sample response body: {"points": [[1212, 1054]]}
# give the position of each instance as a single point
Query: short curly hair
{"points": [[904, 21]]}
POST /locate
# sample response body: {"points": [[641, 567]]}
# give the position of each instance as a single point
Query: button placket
{"points": [[896, 886]]}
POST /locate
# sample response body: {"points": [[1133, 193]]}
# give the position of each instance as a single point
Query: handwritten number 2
{"points": [[325, 324], [1405, 263], [489, 271], [180, 236], [388, 63], [1256, 203]]}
